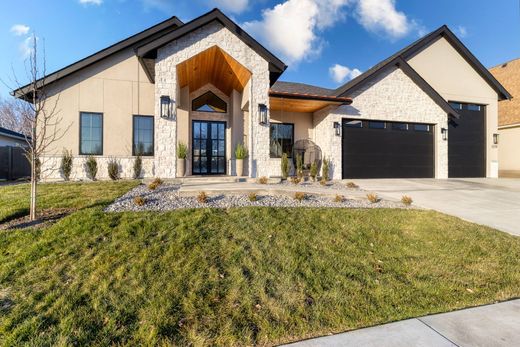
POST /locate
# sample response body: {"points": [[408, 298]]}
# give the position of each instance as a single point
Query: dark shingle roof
{"points": [[301, 88], [10, 133]]}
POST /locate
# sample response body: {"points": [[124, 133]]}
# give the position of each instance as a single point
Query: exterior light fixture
{"points": [[444, 133], [165, 106], [337, 128], [262, 113], [495, 138]]}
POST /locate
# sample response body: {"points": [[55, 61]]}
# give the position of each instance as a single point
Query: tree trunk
{"points": [[34, 178]]}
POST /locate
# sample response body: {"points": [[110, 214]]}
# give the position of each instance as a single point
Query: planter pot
{"points": [[240, 167], [181, 167]]}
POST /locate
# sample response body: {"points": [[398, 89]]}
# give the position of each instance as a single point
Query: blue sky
{"points": [[324, 42]]}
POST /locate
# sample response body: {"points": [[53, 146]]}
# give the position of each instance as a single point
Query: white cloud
{"points": [[340, 73], [292, 29], [91, 2], [233, 6], [381, 16], [20, 29], [461, 31], [27, 46]]}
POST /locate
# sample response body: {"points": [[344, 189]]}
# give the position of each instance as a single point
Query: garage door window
{"points": [[376, 125], [400, 126], [421, 127], [282, 139], [354, 124]]}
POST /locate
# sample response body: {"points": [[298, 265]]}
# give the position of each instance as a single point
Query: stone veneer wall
{"points": [[51, 167], [168, 57], [391, 96]]}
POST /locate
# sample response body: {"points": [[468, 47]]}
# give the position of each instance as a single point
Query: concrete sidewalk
{"points": [[491, 325]]}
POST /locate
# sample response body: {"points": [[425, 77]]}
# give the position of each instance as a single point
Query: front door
{"points": [[209, 148]]}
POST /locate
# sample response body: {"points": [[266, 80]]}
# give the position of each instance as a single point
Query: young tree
{"points": [[41, 116], [13, 115]]}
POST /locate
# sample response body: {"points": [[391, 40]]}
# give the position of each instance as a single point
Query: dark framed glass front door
{"points": [[209, 148]]}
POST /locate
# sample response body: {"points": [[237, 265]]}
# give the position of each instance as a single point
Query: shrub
{"points": [[323, 182], [92, 167], [299, 165], [113, 169], [139, 201], [240, 151], [182, 150], [295, 180], [352, 185], [285, 166], [252, 196], [138, 166], [202, 198], [262, 180], [325, 169], [373, 198], [66, 164], [406, 200], [153, 186], [300, 196], [339, 198], [158, 181], [314, 171]]}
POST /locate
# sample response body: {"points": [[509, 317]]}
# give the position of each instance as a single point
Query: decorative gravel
{"points": [[336, 185], [165, 198]]}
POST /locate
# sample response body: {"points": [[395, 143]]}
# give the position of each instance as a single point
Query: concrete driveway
{"points": [[487, 201]]}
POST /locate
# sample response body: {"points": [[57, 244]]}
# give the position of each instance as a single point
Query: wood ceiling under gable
{"points": [[213, 66]]}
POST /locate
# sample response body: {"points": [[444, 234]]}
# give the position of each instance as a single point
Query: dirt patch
{"points": [[44, 218]]}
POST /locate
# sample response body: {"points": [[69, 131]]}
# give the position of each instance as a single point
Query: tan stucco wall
{"points": [[455, 80], [118, 88], [509, 151], [303, 126]]}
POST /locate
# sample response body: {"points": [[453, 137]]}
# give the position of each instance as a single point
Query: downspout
{"points": [[250, 140]]}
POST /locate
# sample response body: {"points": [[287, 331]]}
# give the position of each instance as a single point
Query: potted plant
{"points": [[240, 155], [182, 154]]}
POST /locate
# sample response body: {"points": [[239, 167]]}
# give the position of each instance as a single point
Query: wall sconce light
{"points": [[262, 113], [495, 138], [337, 128], [444, 133], [165, 106]]}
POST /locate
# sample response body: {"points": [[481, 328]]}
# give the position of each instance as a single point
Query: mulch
{"points": [[44, 219]]}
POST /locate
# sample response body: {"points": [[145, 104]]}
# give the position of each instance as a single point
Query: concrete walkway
{"points": [[491, 325]]}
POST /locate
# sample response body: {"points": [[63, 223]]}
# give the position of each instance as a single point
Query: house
{"points": [[11, 138], [13, 161], [430, 110], [509, 119]]}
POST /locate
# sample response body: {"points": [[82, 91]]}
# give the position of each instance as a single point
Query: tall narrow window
{"points": [[209, 102], [282, 139], [143, 136], [91, 133]]}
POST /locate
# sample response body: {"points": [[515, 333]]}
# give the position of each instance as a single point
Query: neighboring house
{"points": [[13, 161], [509, 119], [11, 138], [430, 110]]}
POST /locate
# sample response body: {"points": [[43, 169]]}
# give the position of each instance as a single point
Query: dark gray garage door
{"points": [[467, 141], [387, 149]]}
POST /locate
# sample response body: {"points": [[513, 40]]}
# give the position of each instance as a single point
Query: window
{"points": [[456, 105], [399, 126], [421, 127], [376, 125], [209, 102], [282, 139], [91, 133], [473, 107], [354, 124], [143, 136]]}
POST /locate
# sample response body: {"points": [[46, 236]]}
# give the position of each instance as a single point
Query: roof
{"points": [[13, 134], [509, 75], [300, 88], [276, 66], [419, 45], [140, 38]]}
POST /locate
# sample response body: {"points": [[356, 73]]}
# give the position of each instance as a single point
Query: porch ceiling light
{"points": [[262, 113], [165, 106], [444, 133], [337, 128], [495, 138]]}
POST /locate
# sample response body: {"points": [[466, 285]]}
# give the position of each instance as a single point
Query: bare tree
{"points": [[41, 116], [13, 115]]}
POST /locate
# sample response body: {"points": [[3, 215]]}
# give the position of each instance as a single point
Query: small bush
{"points": [[339, 198], [92, 167], [66, 164], [158, 181], [299, 165], [202, 198], [373, 198], [139, 201], [314, 171], [262, 180], [406, 200], [182, 150], [138, 166], [153, 186], [285, 166], [323, 182], [325, 169], [352, 185], [240, 151], [295, 180], [252, 196], [113, 169], [300, 196]]}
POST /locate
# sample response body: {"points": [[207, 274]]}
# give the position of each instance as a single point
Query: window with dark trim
{"points": [[354, 124], [421, 127], [143, 134], [209, 102], [90, 133], [473, 107], [282, 139], [376, 125], [400, 126]]}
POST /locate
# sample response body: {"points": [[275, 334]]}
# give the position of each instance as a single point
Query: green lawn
{"points": [[242, 276]]}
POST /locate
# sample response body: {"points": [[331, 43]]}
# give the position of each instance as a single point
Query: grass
{"points": [[14, 199], [242, 276]]}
